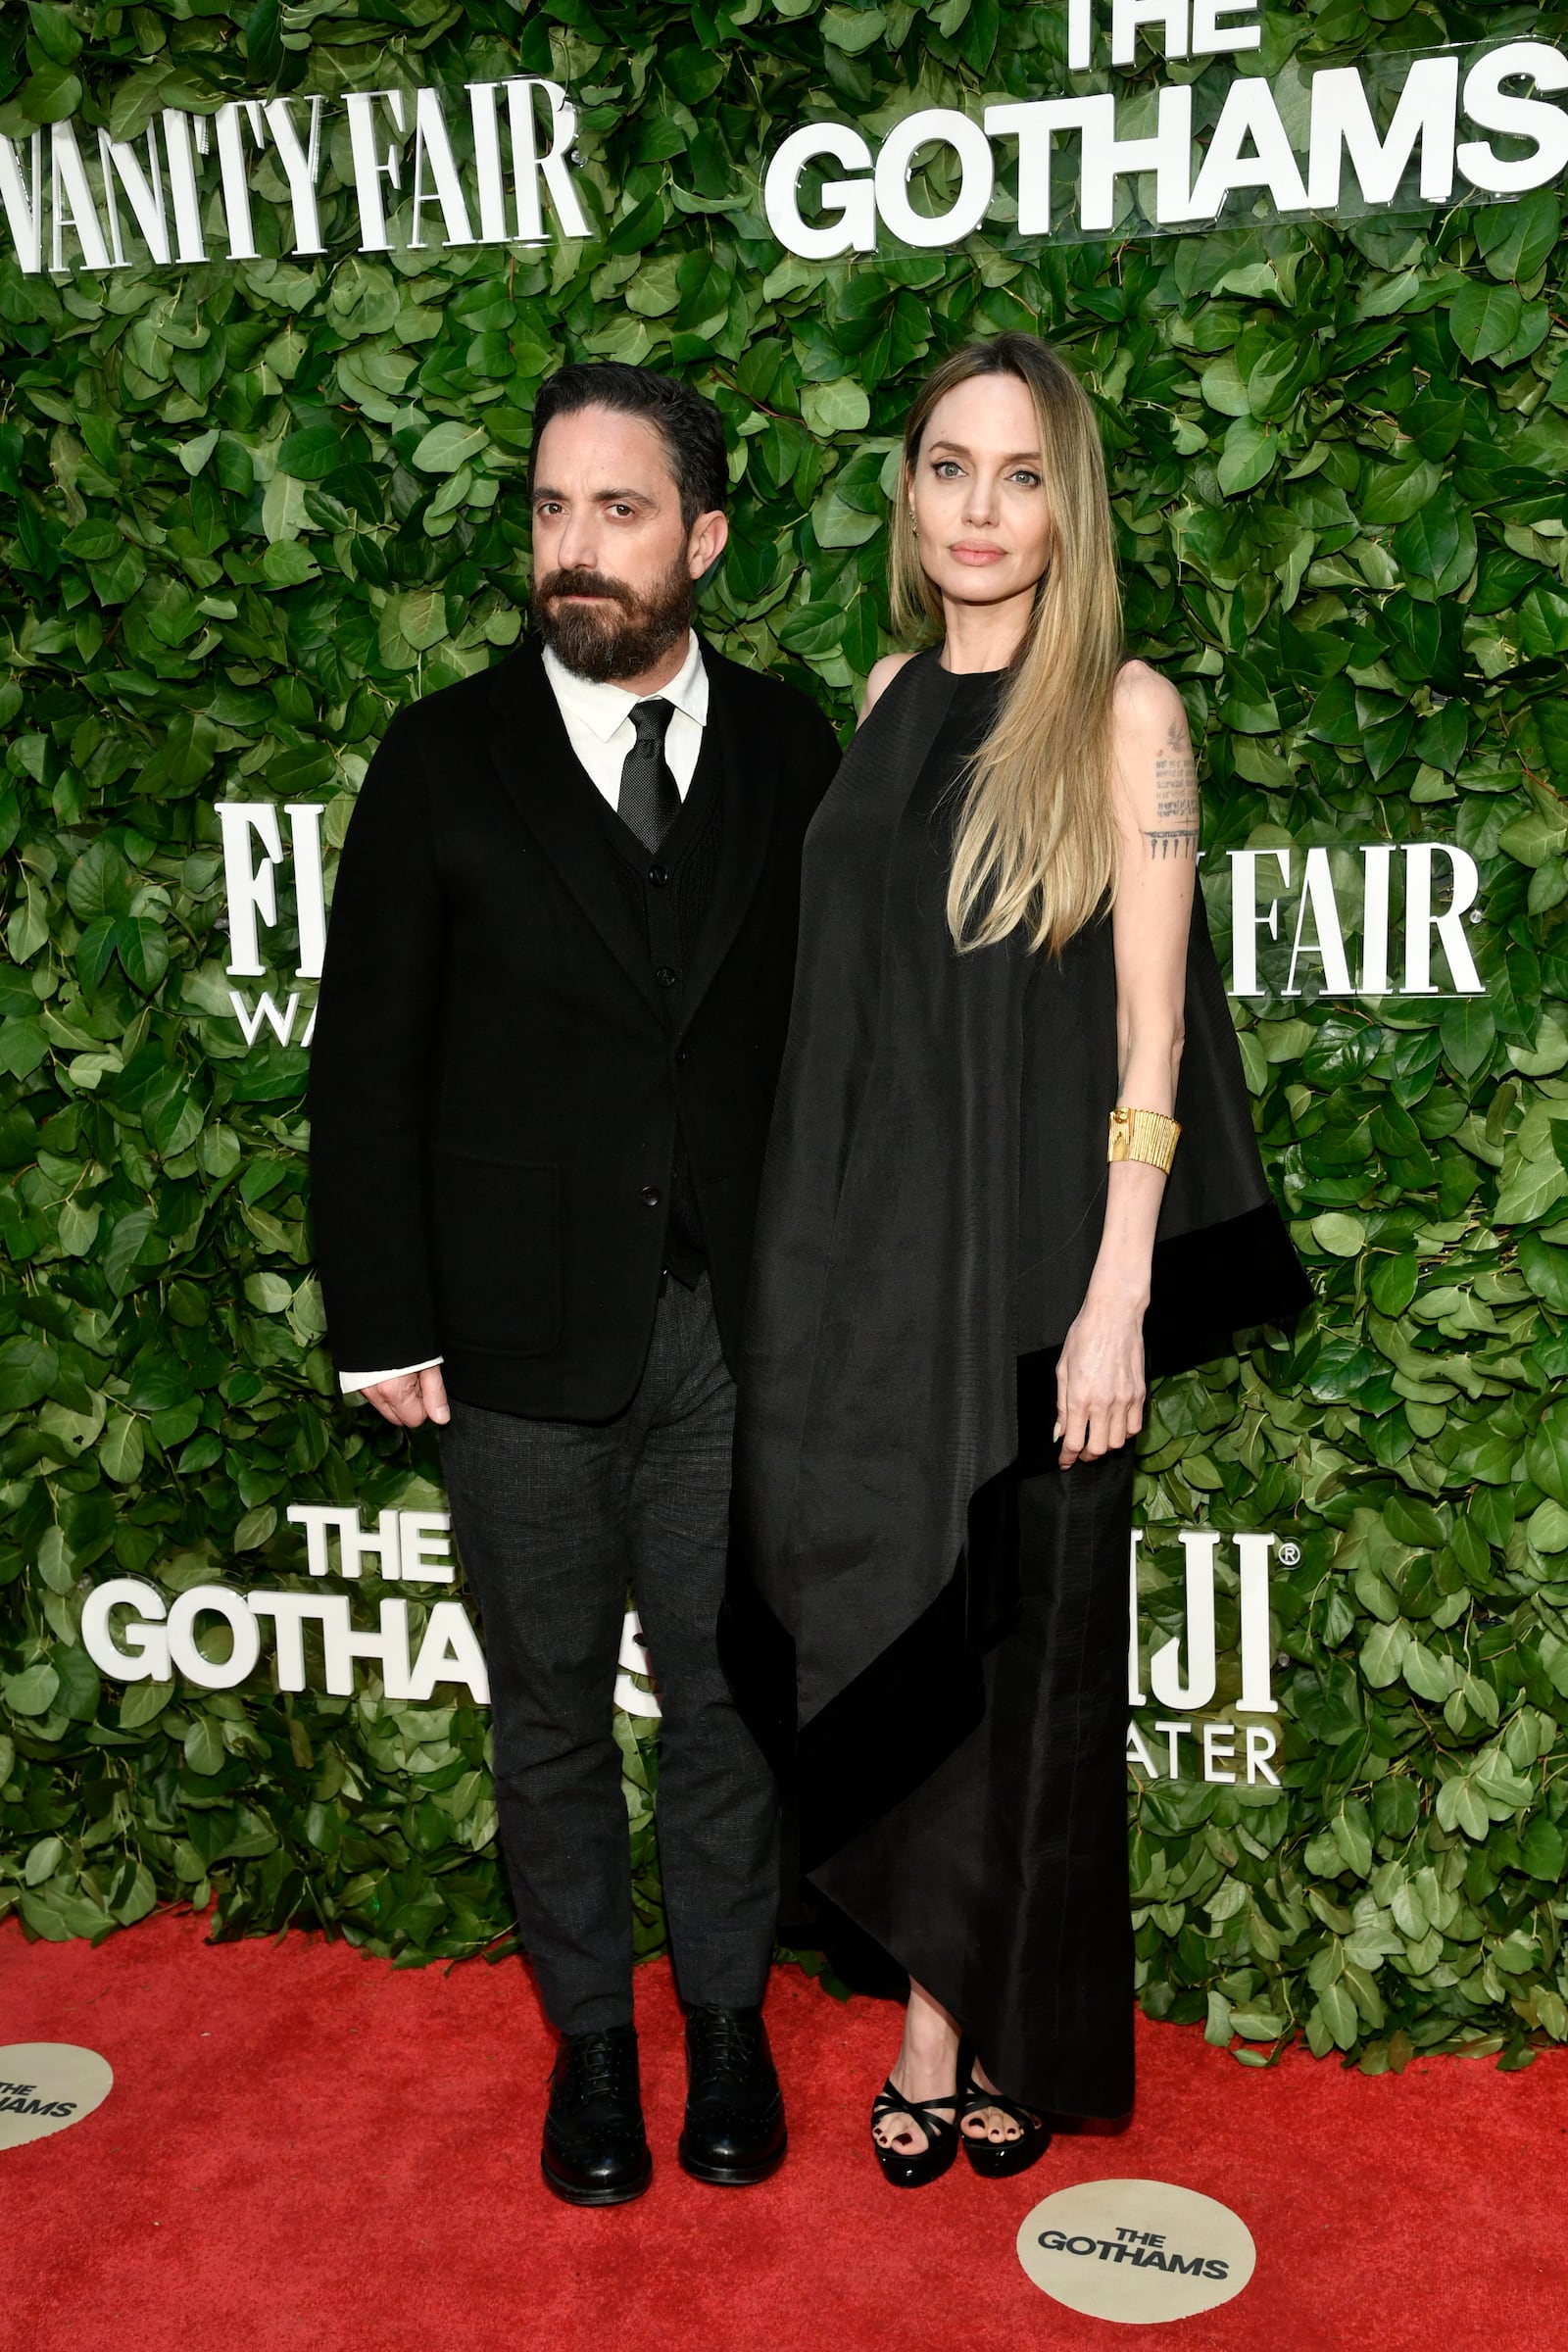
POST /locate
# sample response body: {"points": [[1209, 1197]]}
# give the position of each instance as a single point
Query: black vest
{"points": [[668, 894]]}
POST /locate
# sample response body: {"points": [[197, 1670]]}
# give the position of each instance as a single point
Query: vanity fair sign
{"points": [[1382, 919], [72, 205]]}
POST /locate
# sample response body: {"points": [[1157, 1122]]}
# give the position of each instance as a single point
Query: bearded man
{"points": [[555, 1000]]}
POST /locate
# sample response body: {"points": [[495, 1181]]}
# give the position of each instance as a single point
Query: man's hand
{"points": [[412, 1398]]}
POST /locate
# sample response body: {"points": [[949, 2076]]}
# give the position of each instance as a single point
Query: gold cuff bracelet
{"points": [[1145, 1135]]}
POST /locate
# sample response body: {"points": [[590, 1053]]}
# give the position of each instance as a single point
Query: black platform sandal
{"points": [[1000, 2159], [941, 2135]]}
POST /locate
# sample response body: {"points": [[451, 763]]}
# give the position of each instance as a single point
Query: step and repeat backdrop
{"points": [[277, 288]]}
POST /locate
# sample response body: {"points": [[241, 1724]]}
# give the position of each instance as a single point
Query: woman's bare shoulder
{"points": [[883, 673], [1146, 702]]}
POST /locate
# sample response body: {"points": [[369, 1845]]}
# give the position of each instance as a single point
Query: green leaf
{"points": [[42, 1861], [1543, 1850], [1342, 1236], [1427, 544], [1516, 237], [54, 32], [1469, 1032], [264, 46], [204, 1747], [1485, 319], [134, 1894], [32, 1691], [1529, 1187], [50, 94], [288, 564], [1430, 1675], [122, 1449], [118, 1260], [1248, 456], [813, 630], [835, 524], [1544, 622], [1257, 2025], [1337, 2012], [1383, 1653], [23, 1046], [853, 29], [449, 445], [421, 617], [80, 1690], [837, 407], [1536, 838], [28, 1370], [143, 1704], [99, 883], [313, 453], [1545, 1270], [143, 951], [1392, 1284]]}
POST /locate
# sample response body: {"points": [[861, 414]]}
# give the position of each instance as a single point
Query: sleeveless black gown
{"points": [[926, 1620]]}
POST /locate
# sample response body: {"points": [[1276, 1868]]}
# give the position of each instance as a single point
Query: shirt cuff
{"points": [[350, 1382]]}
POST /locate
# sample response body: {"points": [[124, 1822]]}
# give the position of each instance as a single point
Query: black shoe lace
{"points": [[595, 2068], [727, 2042]]}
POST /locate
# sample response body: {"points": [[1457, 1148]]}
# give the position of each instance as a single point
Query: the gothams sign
{"points": [[1089, 164], [1135, 2250], [492, 163], [219, 1636], [214, 1634], [1376, 920], [45, 2086]]}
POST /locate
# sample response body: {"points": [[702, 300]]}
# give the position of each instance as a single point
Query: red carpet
{"points": [[305, 2151]]}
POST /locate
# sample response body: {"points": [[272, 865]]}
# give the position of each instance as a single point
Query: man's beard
{"points": [[619, 642]]}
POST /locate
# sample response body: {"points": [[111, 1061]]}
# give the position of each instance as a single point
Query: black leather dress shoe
{"points": [[595, 2150], [734, 2130]]}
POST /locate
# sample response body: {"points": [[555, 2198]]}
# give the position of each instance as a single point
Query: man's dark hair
{"points": [[692, 428]]}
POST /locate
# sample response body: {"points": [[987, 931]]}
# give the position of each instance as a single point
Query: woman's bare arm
{"points": [[1100, 1378]]}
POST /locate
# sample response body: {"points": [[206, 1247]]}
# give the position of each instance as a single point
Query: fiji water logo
{"points": [[1183, 1673]]}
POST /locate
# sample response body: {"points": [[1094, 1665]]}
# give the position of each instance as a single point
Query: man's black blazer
{"points": [[496, 1077]]}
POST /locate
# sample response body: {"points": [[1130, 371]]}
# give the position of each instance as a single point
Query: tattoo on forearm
{"points": [[1176, 804]]}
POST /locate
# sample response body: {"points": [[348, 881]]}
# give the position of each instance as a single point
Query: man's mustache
{"points": [[585, 583]]}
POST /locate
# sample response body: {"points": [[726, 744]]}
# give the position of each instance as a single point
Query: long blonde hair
{"points": [[1036, 837]]}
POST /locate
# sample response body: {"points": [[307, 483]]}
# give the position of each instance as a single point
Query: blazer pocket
{"points": [[496, 1245]]}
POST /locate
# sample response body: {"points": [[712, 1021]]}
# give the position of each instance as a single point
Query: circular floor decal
{"points": [[46, 2087], [1135, 2250]]}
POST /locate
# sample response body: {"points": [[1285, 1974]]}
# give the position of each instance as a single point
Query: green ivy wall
{"points": [[249, 510]]}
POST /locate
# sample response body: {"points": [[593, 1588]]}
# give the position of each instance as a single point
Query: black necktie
{"points": [[648, 800]]}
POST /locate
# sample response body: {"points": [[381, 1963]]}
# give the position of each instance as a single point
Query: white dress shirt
{"points": [[599, 729], [599, 720]]}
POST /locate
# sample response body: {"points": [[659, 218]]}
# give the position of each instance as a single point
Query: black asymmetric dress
{"points": [[926, 1620]]}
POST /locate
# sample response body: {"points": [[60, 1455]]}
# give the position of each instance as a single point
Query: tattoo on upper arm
{"points": [[1175, 832]]}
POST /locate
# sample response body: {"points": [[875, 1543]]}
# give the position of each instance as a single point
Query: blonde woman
{"points": [[1011, 1165]]}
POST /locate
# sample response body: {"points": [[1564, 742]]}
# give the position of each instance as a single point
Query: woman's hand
{"points": [[1100, 1378]]}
